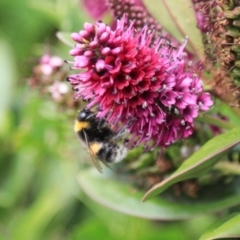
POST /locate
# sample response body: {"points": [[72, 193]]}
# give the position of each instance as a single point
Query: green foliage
{"points": [[121, 196], [184, 17], [225, 228], [45, 190], [200, 162]]}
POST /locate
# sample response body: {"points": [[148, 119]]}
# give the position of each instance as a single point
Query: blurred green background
{"points": [[39, 157]]}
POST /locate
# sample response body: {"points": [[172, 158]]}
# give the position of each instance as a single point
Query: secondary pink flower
{"points": [[203, 9], [148, 87], [48, 64], [95, 8]]}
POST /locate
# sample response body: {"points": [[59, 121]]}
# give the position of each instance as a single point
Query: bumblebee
{"points": [[100, 140]]}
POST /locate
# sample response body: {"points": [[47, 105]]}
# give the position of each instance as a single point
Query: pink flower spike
{"points": [[148, 87]]}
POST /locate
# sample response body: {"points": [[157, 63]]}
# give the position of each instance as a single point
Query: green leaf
{"points": [[184, 17], [65, 37], [227, 227], [162, 16], [200, 162], [178, 18], [118, 194]]}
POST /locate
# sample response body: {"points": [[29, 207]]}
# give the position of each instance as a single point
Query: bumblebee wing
{"points": [[95, 161], [106, 164]]}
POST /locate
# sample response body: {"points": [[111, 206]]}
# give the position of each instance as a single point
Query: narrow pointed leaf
{"points": [[65, 37], [225, 228], [200, 162]]}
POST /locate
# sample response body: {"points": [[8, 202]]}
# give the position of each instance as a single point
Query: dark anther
{"points": [[74, 89]]}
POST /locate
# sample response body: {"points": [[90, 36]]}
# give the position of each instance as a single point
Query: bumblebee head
{"points": [[85, 115], [85, 119]]}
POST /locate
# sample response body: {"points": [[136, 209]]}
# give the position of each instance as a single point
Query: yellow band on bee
{"points": [[95, 147], [78, 126]]}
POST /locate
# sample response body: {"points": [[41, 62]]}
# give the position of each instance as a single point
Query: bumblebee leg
{"points": [[120, 133], [123, 130]]}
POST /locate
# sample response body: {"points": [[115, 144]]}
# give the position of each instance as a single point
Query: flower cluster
{"points": [[219, 24], [203, 9], [136, 10], [147, 87], [47, 67], [48, 77], [49, 64]]}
